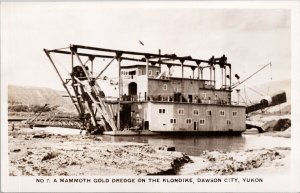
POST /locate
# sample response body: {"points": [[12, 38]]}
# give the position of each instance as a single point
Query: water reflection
{"points": [[192, 145], [195, 145]]}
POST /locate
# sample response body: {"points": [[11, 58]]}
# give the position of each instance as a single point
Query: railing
{"points": [[58, 122], [31, 114], [128, 76], [170, 98], [46, 119]]}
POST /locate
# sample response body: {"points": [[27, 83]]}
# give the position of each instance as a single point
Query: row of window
{"points": [[196, 112], [203, 95], [150, 72], [123, 72], [208, 112], [188, 121]]}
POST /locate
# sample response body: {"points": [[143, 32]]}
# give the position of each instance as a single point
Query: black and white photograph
{"points": [[146, 94]]}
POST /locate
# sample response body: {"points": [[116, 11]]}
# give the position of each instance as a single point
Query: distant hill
{"points": [[39, 96]]}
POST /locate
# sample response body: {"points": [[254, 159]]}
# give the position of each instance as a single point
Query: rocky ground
{"points": [[240, 162], [39, 153], [270, 123]]}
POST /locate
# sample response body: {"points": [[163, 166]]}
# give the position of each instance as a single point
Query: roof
{"points": [[179, 78], [138, 65]]}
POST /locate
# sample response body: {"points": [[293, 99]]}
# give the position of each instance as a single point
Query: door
{"points": [[146, 125], [195, 126], [190, 98], [132, 88], [125, 116]]}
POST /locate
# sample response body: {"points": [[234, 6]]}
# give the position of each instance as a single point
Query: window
{"points": [[216, 96], [188, 121], [157, 73], [140, 72], [228, 122], [222, 113], [203, 95], [165, 86], [180, 111], [234, 113], [133, 72], [162, 111], [173, 121], [208, 112], [150, 72], [196, 112], [202, 121]]}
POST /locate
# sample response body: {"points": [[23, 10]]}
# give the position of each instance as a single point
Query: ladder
{"points": [[90, 96]]}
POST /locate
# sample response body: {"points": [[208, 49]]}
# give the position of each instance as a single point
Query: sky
{"points": [[250, 38]]}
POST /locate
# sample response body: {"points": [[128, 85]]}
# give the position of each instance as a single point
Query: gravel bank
{"points": [[252, 161], [35, 153]]}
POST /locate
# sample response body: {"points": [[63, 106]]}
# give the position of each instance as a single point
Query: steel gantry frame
{"points": [[89, 100]]}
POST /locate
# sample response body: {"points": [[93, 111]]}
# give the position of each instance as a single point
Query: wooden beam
{"points": [[170, 56]]}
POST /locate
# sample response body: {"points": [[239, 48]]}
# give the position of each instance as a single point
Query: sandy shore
{"points": [[36, 152]]}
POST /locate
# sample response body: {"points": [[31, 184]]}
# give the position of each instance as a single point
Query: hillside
{"points": [[27, 95]]}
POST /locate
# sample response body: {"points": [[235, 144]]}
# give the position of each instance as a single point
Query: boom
{"points": [[239, 83]]}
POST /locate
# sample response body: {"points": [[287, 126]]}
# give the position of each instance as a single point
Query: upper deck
{"points": [[140, 83], [149, 76]]}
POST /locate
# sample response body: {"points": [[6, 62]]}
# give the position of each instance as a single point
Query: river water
{"points": [[193, 145]]}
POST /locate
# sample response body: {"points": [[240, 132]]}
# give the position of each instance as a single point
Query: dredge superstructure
{"points": [[150, 98]]}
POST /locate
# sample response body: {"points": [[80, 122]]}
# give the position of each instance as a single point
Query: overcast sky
{"points": [[249, 37]]}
